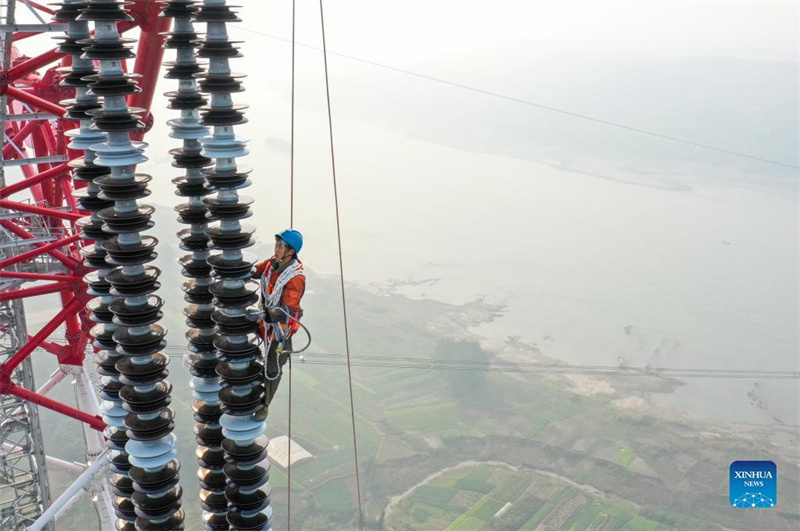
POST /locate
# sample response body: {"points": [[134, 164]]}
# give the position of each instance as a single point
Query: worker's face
{"points": [[282, 251]]}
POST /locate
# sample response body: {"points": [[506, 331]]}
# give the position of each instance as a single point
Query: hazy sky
{"points": [[586, 57], [422, 30]]}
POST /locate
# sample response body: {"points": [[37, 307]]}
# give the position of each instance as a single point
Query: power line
{"points": [[537, 364], [531, 103], [576, 369], [440, 364], [528, 367], [341, 267]]}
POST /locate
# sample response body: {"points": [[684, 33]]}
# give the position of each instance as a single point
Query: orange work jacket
{"points": [[293, 290]]}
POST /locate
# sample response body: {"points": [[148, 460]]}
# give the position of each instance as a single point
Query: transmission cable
{"points": [[533, 104], [525, 367], [541, 368], [662, 372], [440, 364], [341, 265], [537, 364]]}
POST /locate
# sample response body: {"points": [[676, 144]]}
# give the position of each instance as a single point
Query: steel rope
{"points": [[341, 266]]}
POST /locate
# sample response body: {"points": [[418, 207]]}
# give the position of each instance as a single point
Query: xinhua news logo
{"points": [[754, 484]]}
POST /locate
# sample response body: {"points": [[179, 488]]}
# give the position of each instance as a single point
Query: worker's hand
{"points": [[275, 315], [254, 315]]}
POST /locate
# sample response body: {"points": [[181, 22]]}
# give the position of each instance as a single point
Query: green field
{"points": [[414, 423], [435, 504], [625, 457], [512, 487]]}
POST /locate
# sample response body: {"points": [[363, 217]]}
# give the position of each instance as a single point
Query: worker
{"points": [[282, 286]]}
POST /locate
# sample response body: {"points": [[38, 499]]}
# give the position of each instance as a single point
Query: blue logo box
{"points": [[753, 484]]}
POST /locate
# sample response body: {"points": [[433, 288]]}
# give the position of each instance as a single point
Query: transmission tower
{"points": [[46, 102]]}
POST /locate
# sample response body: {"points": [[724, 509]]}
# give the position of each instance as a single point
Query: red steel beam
{"points": [[43, 211], [56, 171], [18, 138], [68, 261], [33, 253], [50, 193], [35, 291], [34, 63], [18, 36], [39, 276], [7, 368], [74, 351], [95, 421], [44, 144], [149, 56], [58, 131], [35, 101], [40, 7], [49, 346], [65, 183], [29, 172]]}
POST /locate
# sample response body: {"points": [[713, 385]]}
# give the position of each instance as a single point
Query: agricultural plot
{"points": [[625, 457], [323, 466], [324, 419], [412, 423], [637, 523], [435, 496], [431, 418], [395, 381], [328, 430], [511, 487], [438, 505], [336, 496], [393, 448]]}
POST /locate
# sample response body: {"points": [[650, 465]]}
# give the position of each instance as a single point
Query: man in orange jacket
{"points": [[282, 286]]}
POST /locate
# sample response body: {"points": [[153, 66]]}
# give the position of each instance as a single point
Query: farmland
{"points": [[574, 461], [532, 502]]}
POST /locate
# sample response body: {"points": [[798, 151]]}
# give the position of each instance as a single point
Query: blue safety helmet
{"points": [[293, 238]]}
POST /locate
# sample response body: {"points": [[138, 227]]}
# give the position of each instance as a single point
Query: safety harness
{"points": [[271, 300], [279, 331]]}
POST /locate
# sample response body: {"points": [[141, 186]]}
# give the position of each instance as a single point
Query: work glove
{"points": [[254, 314], [276, 315]]}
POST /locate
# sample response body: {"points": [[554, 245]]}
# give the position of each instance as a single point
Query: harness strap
{"points": [[272, 298]]}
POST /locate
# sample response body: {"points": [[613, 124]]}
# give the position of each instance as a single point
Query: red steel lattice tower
{"points": [[40, 250]]}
